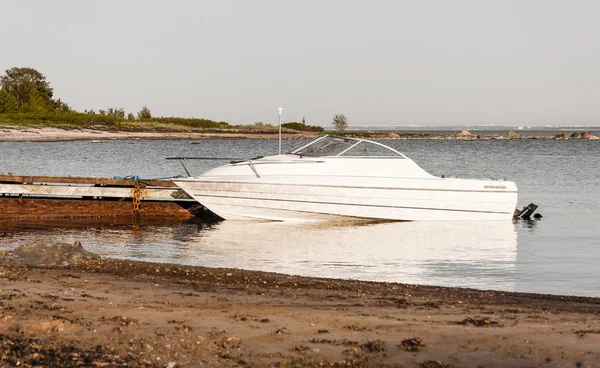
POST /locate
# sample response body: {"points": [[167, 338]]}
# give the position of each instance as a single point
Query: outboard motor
{"points": [[526, 212]]}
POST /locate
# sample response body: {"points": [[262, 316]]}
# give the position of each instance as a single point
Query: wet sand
{"points": [[126, 313]]}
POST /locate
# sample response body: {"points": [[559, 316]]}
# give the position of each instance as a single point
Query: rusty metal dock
{"points": [[43, 197]]}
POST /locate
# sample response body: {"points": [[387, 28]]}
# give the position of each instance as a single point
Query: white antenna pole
{"points": [[280, 111]]}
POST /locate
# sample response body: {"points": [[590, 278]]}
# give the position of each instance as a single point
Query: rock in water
{"points": [[59, 254], [463, 133], [512, 134]]}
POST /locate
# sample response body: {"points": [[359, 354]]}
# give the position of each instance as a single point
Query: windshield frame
{"points": [[350, 144]]}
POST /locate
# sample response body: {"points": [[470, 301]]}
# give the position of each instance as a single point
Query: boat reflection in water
{"points": [[480, 255]]}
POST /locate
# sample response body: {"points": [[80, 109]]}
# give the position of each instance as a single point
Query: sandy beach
{"points": [[56, 135], [110, 312]]}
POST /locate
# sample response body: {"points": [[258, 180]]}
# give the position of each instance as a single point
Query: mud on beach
{"points": [[106, 312]]}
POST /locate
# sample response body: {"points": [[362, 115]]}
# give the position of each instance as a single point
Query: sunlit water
{"points": [[558, 254]]}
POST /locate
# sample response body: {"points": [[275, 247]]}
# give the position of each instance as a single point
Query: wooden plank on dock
{"points": [[90, 191], [83, 180]]}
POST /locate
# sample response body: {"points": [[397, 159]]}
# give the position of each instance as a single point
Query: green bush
{"points": [[117, 112], [8, 103], [49, 118], [89, 118], [144, 113], [302, 127], [191, 122], [57, 118]]}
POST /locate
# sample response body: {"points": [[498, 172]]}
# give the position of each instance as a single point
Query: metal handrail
{"points": [[232, 160]]}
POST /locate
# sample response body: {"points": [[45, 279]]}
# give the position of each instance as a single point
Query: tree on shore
{"points": [[130, 116], [144, 113], [340, 122], [302, 127], [25, 84], [117, 112], [36, 103], [61, 106], [7, 102]]}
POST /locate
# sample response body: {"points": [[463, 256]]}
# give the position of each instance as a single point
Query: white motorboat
{"points": [[333, 176]]}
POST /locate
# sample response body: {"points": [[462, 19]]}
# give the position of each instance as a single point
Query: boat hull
{"points": [[398, 199]]}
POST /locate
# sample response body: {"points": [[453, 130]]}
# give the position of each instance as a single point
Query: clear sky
{"points": [[380, 62]]}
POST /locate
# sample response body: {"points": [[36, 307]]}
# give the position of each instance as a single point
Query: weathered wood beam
{"points": [[82, 180]]}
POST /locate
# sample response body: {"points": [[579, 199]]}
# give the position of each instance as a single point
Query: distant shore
{"points": [[29, 134], [53, 134]]}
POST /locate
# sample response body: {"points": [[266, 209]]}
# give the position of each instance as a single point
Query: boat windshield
{"points": [[347, 147]]}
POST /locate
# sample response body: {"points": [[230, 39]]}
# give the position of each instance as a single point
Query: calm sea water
{"points": [[559, 254]]}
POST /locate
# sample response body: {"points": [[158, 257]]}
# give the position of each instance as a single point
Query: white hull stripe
{"points": [[361, 187], [344, 204]]}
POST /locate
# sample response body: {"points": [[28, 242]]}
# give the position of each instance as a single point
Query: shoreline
{"points": [[52, 134], [185, 316], [66, 135]]}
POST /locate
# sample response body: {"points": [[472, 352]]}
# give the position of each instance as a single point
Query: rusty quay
{"points": [[47, 197]]}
